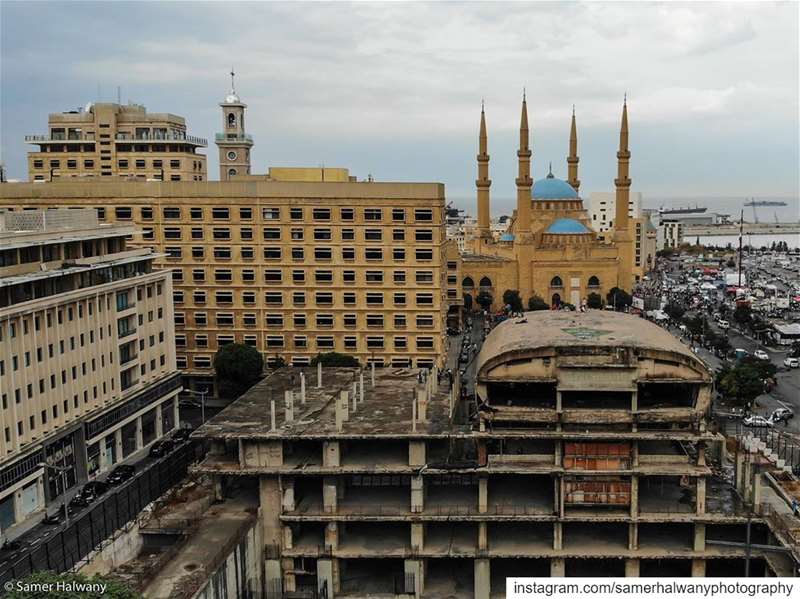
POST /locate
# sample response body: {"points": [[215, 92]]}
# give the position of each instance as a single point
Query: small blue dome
{"points": [[567, 226], [506, 237], [551, 188]]}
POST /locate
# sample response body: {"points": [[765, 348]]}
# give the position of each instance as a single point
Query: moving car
{"points": [[120, 474], [723, 324], [781, 415], [761, 354], [79, 501], [92, 490], [791, 362], [161, 448], [181, 434], [56, 517], [757, 421], [10, 545]]}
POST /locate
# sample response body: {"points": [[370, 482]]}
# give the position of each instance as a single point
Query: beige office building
{"points": [[87, 359], [291, 267], [117, 141]]}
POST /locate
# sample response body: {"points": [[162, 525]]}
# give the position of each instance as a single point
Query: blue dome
{"points": [[506, 237], [567, 226], [551, 188]]}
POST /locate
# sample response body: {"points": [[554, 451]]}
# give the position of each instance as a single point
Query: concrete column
{"points": [[738, 469], [558, 403], [634, 401], [701, 496], [557, 567], [699, 536], [557, 453], [331, 456], [699, 567], [701, 454], [288, 538], [118, 443], [219, 494], [483, 579], [270, 499], [558, 536], [289, 578], [634, 496], [414, 568], [302, 388], [159, 423], [288, 495], [103, 456], [176, 411], [417, 494], [632, 568], [417, 536], [332, 536], [325, 579], [483, 495], [272, 571], [756, 488], [319, 375], [416, 453], [561, 490], [633, 536], [343, 403], [329, 495], [139, 437], [483, 536]]}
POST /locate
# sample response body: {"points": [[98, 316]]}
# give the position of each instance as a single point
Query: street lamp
{"points": [[63, 472], [202, 395]]}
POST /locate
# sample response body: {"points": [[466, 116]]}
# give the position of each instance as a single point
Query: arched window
{"points": [[468, 283], [486, 282], [594, 281], [231, 119], [231, 172], [556, 282]]}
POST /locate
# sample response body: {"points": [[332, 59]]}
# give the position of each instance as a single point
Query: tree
{"points": [[335, 359], [594, 301], [511, 298], [485, 300], [237, 366], [537, 303], [674, 311], [467, 302], [744, 381], [619, 298], [114, 589], [742, 314]]}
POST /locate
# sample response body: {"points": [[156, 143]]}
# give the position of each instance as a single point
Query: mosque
{"points": [[550, 250]]}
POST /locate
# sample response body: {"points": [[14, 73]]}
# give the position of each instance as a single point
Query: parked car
{"points": [[120, 474], [723, 324], [92, 490], [9, 545], [79, 501], [782, 415], [757, 421], [161, 448], [56, 517], [761, 354], [181, 434], [791, 362]]}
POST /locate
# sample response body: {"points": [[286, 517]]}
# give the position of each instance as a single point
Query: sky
{"points": [[394, 89]]}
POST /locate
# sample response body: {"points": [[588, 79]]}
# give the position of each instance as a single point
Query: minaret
{"points": [[234, 144], [483, 182], [572, 159], [524, 182], [622, 232]]}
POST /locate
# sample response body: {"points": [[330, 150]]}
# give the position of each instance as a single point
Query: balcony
{"points": [[161, 137], [233, 138], [59, 138]]}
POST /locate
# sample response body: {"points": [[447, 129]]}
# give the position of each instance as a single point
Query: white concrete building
{"points": [[87, 354], [602, 205], [669, 235]]}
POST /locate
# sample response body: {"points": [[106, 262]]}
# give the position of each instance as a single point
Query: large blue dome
{"points": [[567, 226], [553, 189]]}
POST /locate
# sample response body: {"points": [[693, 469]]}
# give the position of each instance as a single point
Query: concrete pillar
{"points": [[561, 490], [701, 496], [699, 536], [302, 388], [372, 373], [288, 405], [272, 572], [701, 454], [159, 423], [416, 453], [118, 442], [325, 580], [417, 536], [343, 405], [361, 386], [417, 494], [139, 437], [483, 578], [331, 456], [219, 494], [272, 422], [329, 495], [558, 452], [633, 536], [632, 568], [699, 567], [288, 537], [634, 496], [756, 488], [414, 569], [483, 495], [422, 405], [288, 495], [557, 567], [483, 536], [558, 402], [634, 403], [332, 536], [270, 499], [103, 456], [738, 469], [289, 578], [558, 536], [319, 375]]}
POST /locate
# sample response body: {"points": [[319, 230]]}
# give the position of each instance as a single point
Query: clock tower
{"points": [[233, 143]]}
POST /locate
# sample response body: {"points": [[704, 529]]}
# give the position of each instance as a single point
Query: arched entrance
{"points": [[556, 300]]}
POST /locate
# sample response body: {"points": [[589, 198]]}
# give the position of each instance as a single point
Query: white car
{"points": [[761, 354], [723, 324], [791, 362], [757, 421]]}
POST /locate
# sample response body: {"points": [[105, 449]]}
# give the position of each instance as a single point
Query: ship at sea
{"points": [[688, 210], [764, 203]]}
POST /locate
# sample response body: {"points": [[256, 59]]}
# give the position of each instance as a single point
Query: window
{"points": [[374, 320], [198, 275], [201, 361], [272, 253], [223, 275], [201, 340], [424, 299], [423, 215], [424, 342], [347, 213], [324, 320], [348, 253], [248, 253], [348, 234], [175, 164], [323, 276], [321, 213], [196, 213], [270, 213], [349, 298], [177, 297], [374, 276], [140, 164], [224, 297], [274, 320], [300, 341], [322, 234], [147, 213], [199, 297], [273, 276], [299, 298], [594, 281], [374, 342], [399, 321], [349, 276], [373, 235], [351, 343], [424, 254], [299, 320], [172, 212], [297, 253], [375, 298], [424, 320], [74, 164], [373, 214], [398, 254], [373, 253], [399, 276], [323, 253], [220, 213], [123, 213], [249, 298], [556, 282], [271, 233], [224, 319], [398, 234], [222, 233], [248, 275], [88, 164], [424, 276], [298, 276], [200, 319], [173, 251], [452, 265], [400, 343], [398, 214], [197, 233], [423, 235], [250, 340], [400, 299], [245, 213], [274, 340], [349, 320], [296, 213], [325, 342], [198, 252], [323, 298], [222, 252], [273, 298], [172, 233], [297, 234]]}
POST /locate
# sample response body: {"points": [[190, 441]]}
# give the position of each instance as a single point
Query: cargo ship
{"points": [[764, 203]]}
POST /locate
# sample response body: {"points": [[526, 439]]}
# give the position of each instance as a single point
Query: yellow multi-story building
{"points": [[292, 268], [116, 140], [87, 354]]}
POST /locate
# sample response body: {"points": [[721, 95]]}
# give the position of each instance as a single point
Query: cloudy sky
{"points": [[394, 89]]}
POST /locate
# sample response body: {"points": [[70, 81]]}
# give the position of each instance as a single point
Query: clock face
{"points": [[231, 155]]}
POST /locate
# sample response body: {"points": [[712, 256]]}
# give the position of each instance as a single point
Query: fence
{"points": [[109, 517]]}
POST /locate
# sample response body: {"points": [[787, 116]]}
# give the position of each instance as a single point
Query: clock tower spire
{"points": [[233, 143]]}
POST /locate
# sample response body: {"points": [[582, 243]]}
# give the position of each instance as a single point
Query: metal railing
{"points": [[247, 138], [162, 137]]}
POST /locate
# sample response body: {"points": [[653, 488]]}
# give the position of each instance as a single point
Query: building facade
{"points": [[87, 358], [669, 234], [234, 143], [603, 207], [551, 250], [586, 456], [292, 268], [117, 141]]}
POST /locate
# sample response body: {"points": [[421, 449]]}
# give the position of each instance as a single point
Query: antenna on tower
{"points": [[233, 87]]}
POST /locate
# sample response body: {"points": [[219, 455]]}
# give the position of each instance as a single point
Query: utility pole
{"points": [[741, 228]]}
